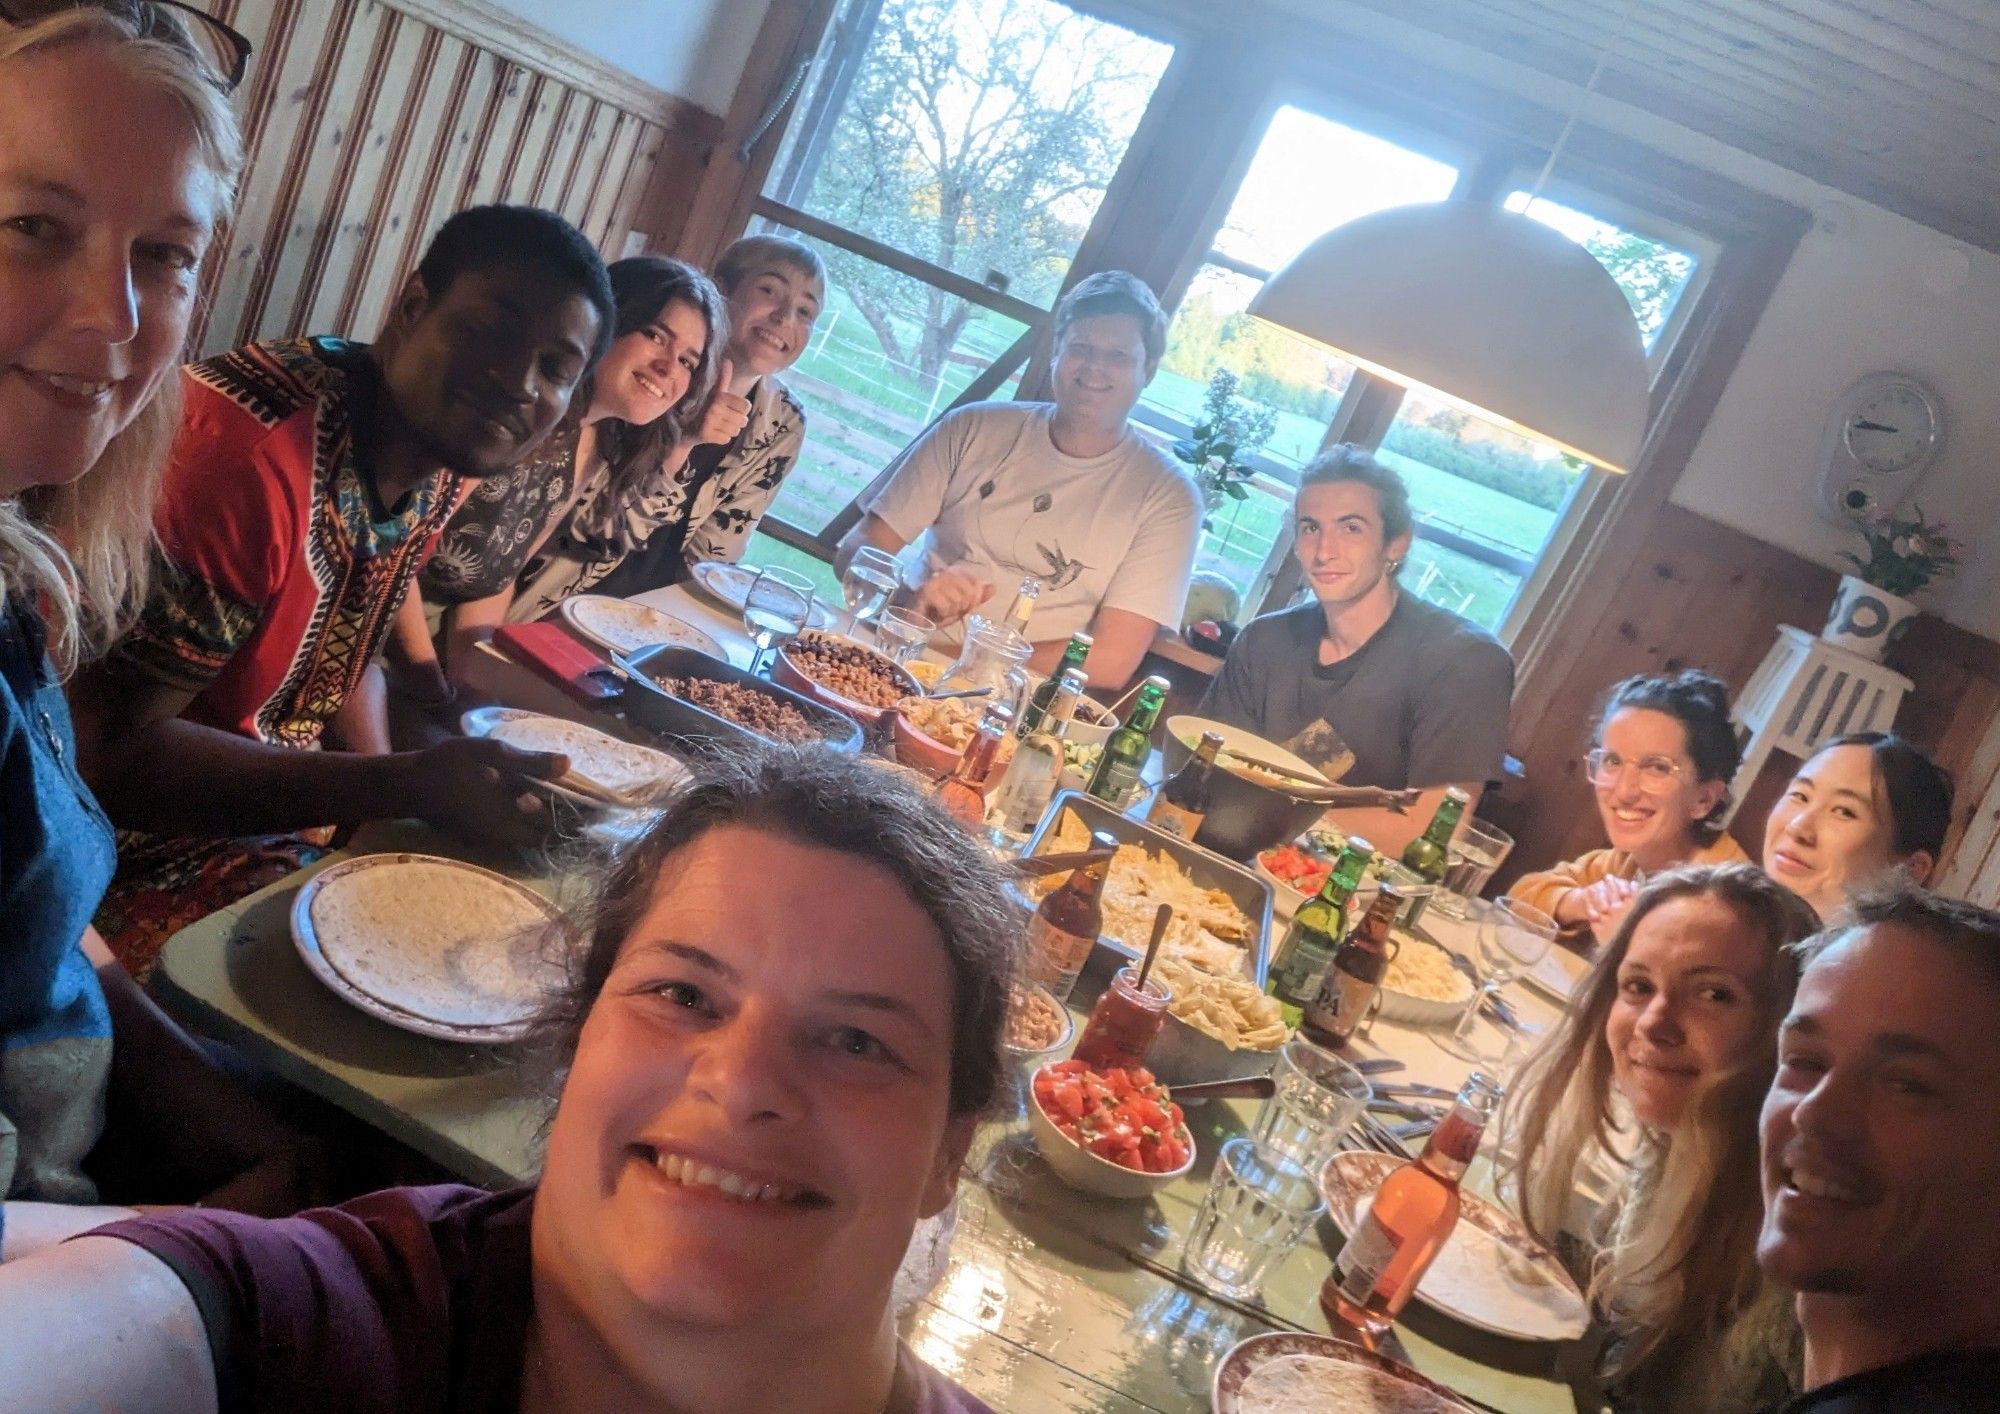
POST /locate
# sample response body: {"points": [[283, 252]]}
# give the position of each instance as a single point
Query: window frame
{"points": [[1221, 87]]}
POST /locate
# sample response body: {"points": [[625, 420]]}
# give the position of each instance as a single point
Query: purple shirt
{"points": [[407, 1301]]}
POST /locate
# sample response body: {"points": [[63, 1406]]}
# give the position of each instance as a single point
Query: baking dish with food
{"points": [[647, 704]]}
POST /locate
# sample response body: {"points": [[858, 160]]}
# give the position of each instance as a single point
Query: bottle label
{"points": [[1363, 1260], [1340, 1002], [1053, 955], [1171, 819], [1116, 783]]}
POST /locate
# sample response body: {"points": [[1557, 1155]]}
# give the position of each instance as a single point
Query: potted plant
{"points": [[1905, 553], [1229, 433]]}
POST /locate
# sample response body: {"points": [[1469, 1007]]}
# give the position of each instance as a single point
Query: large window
{"points": [[951, 158], [948, 159]]}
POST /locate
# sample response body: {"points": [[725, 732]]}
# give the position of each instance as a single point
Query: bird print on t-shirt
{"points": [[1049, 563]]}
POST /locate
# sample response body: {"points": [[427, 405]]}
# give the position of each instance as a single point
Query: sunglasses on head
{"points": [[222, 49]]}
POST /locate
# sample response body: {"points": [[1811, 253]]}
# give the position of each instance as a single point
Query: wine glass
{"points": [[779, 602], [868, 581], [1513, 937]]}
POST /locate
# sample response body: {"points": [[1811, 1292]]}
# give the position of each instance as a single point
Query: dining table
{"points": [[1031, 1294]]}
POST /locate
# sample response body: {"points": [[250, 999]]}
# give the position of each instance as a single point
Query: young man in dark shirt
{"points": [[1418, 695], [1881, 1140]]}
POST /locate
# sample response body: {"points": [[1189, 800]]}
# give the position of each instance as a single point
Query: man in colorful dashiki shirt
{"points": [[308, 482]]}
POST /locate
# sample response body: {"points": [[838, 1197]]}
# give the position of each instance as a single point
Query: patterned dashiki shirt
{"points": [[282, 575]]}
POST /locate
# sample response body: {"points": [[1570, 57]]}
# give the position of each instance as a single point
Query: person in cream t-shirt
{"points": [[1066, 492]]}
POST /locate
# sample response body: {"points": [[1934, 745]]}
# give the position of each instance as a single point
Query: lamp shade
{"points": [[1490, 309]]}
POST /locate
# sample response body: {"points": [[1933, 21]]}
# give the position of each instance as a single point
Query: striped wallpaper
{"points": [[368, 123]]}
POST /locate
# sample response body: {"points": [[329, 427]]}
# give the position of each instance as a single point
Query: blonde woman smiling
{"points": [[1662, 1061]]}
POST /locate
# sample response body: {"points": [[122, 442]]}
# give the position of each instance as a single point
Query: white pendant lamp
{"points": [[1487, 309], [1490, 310]]}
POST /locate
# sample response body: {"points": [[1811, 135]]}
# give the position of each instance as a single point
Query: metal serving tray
{"points": [[647, 705], [1182, 1054], [1245, 889]]}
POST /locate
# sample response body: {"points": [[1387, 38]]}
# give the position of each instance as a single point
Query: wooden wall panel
{"points": [[368, 122], [1706, 596]]}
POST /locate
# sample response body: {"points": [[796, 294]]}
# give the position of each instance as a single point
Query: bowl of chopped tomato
{"points": [[1116, 1133], [1295, 873]]}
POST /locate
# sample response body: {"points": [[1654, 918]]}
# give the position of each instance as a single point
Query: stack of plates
{"points": [[431, 945]]}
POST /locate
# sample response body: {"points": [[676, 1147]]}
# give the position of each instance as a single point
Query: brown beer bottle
{"points": [[1066, 925], [1354, 976]]}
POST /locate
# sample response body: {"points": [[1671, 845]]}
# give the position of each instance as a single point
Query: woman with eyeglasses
{"points": [[118, 162], [1660, 761]]}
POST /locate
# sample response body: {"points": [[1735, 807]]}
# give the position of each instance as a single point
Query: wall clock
{"points": [[1881, 436]]}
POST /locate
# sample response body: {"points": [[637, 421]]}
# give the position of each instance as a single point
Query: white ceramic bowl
{"points": [[1424, 1011], [1036, 1059], [1081, 1169]]}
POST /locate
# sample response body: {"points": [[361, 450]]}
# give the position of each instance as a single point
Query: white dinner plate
{"points": [[1490, 1273], [1558, 974], [408, 1013], [1244, 1359], [730, 584], [624, 626], [578, 742]]}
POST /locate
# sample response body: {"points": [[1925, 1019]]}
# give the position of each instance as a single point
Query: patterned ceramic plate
{"points": [[730, 584], [1296, 1372], [1491, 1273], [626, 627]]}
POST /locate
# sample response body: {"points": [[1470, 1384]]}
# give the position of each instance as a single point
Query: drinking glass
{"points": [[1318, 1099], [902, 632], [1513, 937], [1258, 1206], [779, 602], [866, 584], [1470, 863]]}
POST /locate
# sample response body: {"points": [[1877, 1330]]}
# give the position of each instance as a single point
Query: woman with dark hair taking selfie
{"points": [[747, 1134]]}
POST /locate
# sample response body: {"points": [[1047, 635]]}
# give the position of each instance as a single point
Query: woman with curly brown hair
{"points": [[1660, 1065]]}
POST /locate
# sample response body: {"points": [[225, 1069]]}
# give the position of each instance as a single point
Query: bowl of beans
{"points": [[847, 676]]}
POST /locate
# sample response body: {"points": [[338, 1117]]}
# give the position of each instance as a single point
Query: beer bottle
{"points": [[1348, 986], [963, 792], [1428, 854], [1407, 1222], [1116, 778], [1182, 802], [1023, 607], [1316, 931], [1045, 693], [1066, 924], [1031, 778]]}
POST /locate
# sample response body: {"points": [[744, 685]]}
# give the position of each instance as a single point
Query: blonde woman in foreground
{"points": [[118, 157], [1662, 1062]]}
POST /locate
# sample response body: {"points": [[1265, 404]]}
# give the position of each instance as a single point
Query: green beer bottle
{"points": [[1317, 928], [1428, 854], [1038, 705], [1116, 779]]}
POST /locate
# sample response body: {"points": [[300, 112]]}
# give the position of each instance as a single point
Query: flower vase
{"points": [[1866, 620]]}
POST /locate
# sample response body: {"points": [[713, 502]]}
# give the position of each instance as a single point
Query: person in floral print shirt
{"points": [[712, 491]]}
